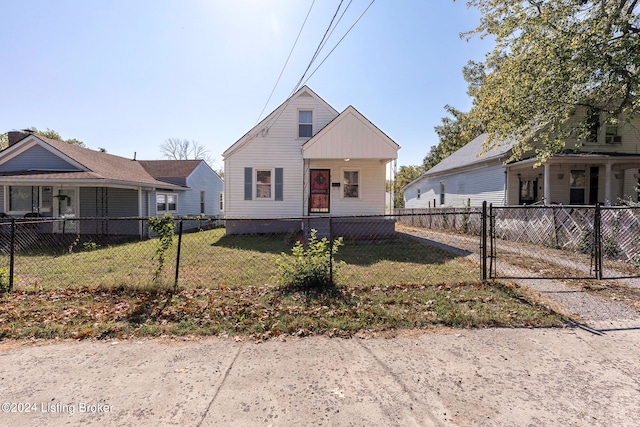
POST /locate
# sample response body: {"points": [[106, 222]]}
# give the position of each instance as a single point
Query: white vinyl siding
{"points": [[475, 186], [277, 148], [201, 179], [372, 186], [365, 140], [628, 133]]}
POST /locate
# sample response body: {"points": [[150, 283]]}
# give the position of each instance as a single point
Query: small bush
{"points": [[311, 267], [90, 246], [5, 285]]}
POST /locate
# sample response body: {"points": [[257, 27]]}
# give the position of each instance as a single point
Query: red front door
{"points": [[320, 189]]}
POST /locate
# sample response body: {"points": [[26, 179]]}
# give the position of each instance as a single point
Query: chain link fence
{"points": [[99, 252], [564, 242], [412, 246]]}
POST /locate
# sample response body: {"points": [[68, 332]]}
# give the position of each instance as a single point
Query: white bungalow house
{"points": [[306, 161], [603, 169], [41, 177]]}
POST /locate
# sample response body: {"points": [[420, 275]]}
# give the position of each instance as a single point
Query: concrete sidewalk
{"points": [[490, 377]]}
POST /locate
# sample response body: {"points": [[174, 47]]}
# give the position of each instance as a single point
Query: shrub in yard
{"points": [[163, 226], [309, 268], [5, 285]]}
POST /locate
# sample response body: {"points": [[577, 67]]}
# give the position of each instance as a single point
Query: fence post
{"points": [[330, 251], [483, 244], [175, 283], [12, 253], [597, 241]]}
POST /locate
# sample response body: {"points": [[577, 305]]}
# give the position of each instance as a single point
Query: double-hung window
{"points": [[263, 184], [305, 123], [166, 202], [351, 181]]}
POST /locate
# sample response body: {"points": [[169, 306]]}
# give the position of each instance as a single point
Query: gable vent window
{"points": [[305, 124]]}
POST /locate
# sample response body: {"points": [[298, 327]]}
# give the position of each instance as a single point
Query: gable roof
{"points": [[173, 171], [350, 135], [470, 154], [270, 119], [91, 164]]}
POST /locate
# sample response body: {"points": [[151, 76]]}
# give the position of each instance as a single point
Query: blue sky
{"points": [[126, 75]]}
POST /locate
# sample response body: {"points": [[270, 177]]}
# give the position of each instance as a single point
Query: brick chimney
{"points": [[17, 135]]}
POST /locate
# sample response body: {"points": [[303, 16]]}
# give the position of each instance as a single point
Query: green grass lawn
{"points": [[228, 285]]}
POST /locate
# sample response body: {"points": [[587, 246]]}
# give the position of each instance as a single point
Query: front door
{"points": [[65, 202], [320, 190]]}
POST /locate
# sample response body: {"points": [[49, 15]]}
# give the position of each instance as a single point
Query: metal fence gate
{"points": [[561, 242]]}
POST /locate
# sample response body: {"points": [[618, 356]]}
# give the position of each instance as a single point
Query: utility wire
{"points": [[322, 42], [336, 25], [286, 62], [339, 41], [315, 55]]}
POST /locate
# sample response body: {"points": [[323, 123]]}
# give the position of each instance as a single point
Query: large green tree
{"points": [[553, 58], [454, 131], [405, 175], [49, 133], [52, 134]]}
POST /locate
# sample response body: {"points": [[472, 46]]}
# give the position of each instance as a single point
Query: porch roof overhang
{"points": [[621, 160], [350, 136], [81, 179]]}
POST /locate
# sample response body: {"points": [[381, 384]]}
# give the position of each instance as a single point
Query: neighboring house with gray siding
{"points": [[603, 169], [46, 178], [306, 161]]}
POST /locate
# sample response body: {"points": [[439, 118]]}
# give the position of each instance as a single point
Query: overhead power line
{"points": [[339, 41], [286, 62], [315, 55], [320, 46]]}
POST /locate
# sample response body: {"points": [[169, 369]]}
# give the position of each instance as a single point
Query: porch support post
{"points": [[607, 183], [547, 184]]}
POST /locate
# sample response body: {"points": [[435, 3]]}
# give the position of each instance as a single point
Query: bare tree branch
{"points": [[183, 149]]}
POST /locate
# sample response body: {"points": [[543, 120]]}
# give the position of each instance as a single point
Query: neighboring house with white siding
{"points": [[305, 161], [203, 187], [41, 177], [603, 169]]}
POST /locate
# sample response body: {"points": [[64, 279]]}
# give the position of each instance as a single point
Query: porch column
{"points": [[607, 184], [547, 185]]}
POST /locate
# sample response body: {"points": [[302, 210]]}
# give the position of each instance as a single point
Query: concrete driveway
{"points": [[490, 377]]}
